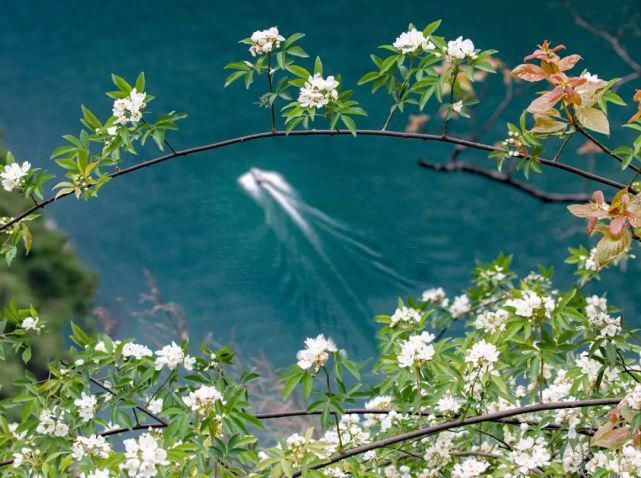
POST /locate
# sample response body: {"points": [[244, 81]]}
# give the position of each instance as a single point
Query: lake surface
{"points": [[380, 226]]}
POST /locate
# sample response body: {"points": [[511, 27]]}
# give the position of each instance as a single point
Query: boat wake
{"points": [[327, 265]]}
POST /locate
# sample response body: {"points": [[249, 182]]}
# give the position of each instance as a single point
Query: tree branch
{"points": [[505, 179], [431, 430], [363, 132]]}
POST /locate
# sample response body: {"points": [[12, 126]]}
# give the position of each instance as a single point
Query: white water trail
{"points": [[272, 193]]}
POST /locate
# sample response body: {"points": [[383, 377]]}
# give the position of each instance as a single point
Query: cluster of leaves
{"points": [[87, 169], [412, 78], [283, 73]]}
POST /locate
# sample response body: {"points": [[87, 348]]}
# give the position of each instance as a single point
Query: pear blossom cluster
{"points": [[52, 423], [599, 319], [172, 356], [203, 400], [265, 41], [482, 356], [86, 406], [406, 316], [470, 468], [529, 303], [14, 174], [448, 405], [137, 351], [529, 455], [626, 463], [31, 323], [416, 350], [460, 49], [318, 91], [316, 353], [460, 305], [492, 322], [413, 41], [143, 456], [91, 446], [633, 399], [434, 295], [128, 110]]}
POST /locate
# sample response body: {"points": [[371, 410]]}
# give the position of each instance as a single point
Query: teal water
{"points": [[212, 249]]}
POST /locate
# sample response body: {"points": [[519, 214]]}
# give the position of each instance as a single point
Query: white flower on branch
{"points": [[52, 423], [13, 175], [172, 356], [405, 316], [316, 353], [86, 406], [416, 350], [203, 400], [265, 41], [492, 322], [143, 456], [433, 295], [470, 468], [530, 455], [460, 306], [129, 109], [482, 356], [412, 41], [530, 302], [633, 399], [448, 405], [99, 473], [91, 446], [30, 323], [137, 351], [155, 406], [318, 91], [457, 107], [460, 49]]}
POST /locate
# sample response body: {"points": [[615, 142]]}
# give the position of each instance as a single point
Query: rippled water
{"points": [[248, 268]]}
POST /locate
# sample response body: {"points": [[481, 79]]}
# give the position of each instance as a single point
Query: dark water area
{"points": [[250, 271]]}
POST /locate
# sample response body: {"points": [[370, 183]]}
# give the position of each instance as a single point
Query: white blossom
{"points": [[155, 406], [412, 41], [633, 399], [530, 302], [143, 456], [316, 353], [13, 175], [318, 91], [91, 446], [86, 405], [204, 399], [433, 295], [265, 41], [52, 423], [30, 323], [98, 473], [460, 306], [470, 468], [492, 322], [416, 350], [458, 106], [529, 455], [138, 351], [448, 405], [172, 356], [482, 355], [405, 316], [460, 49], [129, 109]]}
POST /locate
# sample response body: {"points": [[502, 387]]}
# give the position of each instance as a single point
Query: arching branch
{"points": [[314, 132]]}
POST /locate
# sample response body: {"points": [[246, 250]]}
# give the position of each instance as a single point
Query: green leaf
{"points": [[318, 66], [121, 83], [140, 82]]}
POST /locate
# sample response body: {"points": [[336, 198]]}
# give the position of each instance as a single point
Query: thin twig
{"points": [[505, 179]]}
